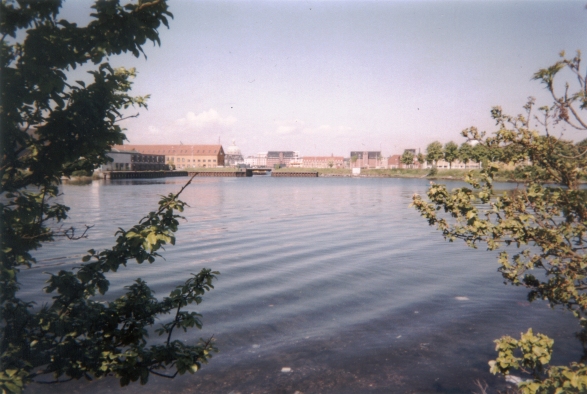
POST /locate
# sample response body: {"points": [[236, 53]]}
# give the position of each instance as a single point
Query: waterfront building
{"points": [[394, 161], [457, 164], [258, 160], [282, 158], [182, 156], [233, 156], [366, 159], [131, 160], [323, 161]]}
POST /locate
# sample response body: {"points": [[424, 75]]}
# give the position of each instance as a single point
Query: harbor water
{"points": [[327, 285]]}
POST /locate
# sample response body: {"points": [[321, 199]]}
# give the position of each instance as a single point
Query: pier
{"points": [[295, 174], [141, 174], [237, 174], [248, 172]]}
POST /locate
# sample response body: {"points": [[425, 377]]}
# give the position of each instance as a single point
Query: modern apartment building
{"points": [[133, 161], [282, 158], [366, 159], [323, 161]]}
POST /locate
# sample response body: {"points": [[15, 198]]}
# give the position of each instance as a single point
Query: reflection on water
{"points": [[333, 278]]}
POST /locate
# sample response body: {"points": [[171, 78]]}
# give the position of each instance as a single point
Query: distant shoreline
{"points": [[442, 174]]}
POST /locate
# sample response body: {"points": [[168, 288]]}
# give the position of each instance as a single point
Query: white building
{"points": [[258, 160], [457, 164]]}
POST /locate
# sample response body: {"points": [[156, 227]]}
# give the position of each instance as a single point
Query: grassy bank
{"points": [[383, 173], [455, 174]]}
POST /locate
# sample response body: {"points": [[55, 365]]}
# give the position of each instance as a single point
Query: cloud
{"points": [[298, 127], [205, 119], [291, 127]]}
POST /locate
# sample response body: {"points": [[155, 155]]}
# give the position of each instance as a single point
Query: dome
{"points": [[233, 150]]}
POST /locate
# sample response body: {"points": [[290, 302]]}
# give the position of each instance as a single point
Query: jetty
{"points": [[242, 173], [237, 174], [140, 174], [287, 174]]}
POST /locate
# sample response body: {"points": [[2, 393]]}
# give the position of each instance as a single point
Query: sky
{"points": [[330, 77]]}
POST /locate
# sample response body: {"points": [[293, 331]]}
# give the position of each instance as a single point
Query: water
{"points": [[335, 278]]}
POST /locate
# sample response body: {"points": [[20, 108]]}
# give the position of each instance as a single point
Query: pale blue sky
{"points": [[326, 77]]}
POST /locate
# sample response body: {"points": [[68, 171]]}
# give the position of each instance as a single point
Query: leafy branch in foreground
{"points": [[545, 220], [77, 336], [51, 127]]}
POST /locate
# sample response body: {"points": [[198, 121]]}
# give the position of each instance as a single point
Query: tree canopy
{"points": [[451, 152], [465, 153], [540, 227], [407, 158], [434, 152], [51, 127]]}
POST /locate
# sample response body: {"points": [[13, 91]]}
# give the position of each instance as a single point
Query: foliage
{"points": [[451, 152], [407, 158], [434, 152], [535, 352], [465, 153], [545, 220], [421, 158], [51, 128], [480, 153], [82, 173]]}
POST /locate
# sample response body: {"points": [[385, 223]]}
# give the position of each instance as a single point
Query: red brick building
{"points": [[366, 159], [323, 161]]}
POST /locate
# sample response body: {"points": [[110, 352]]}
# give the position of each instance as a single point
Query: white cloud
{"points": [[205, 119], [299, 128], [291, 127]]}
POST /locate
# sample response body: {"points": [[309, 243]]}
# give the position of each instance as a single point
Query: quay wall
{"points": [[141, 174], [295, 174], [238, 174]]}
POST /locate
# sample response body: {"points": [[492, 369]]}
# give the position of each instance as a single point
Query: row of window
{"points": [[136, 166], [182, 159], [146, 158], [186, 151]]}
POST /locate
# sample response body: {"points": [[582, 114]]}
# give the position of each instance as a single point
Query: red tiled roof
{"points": [[172, 150]]}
